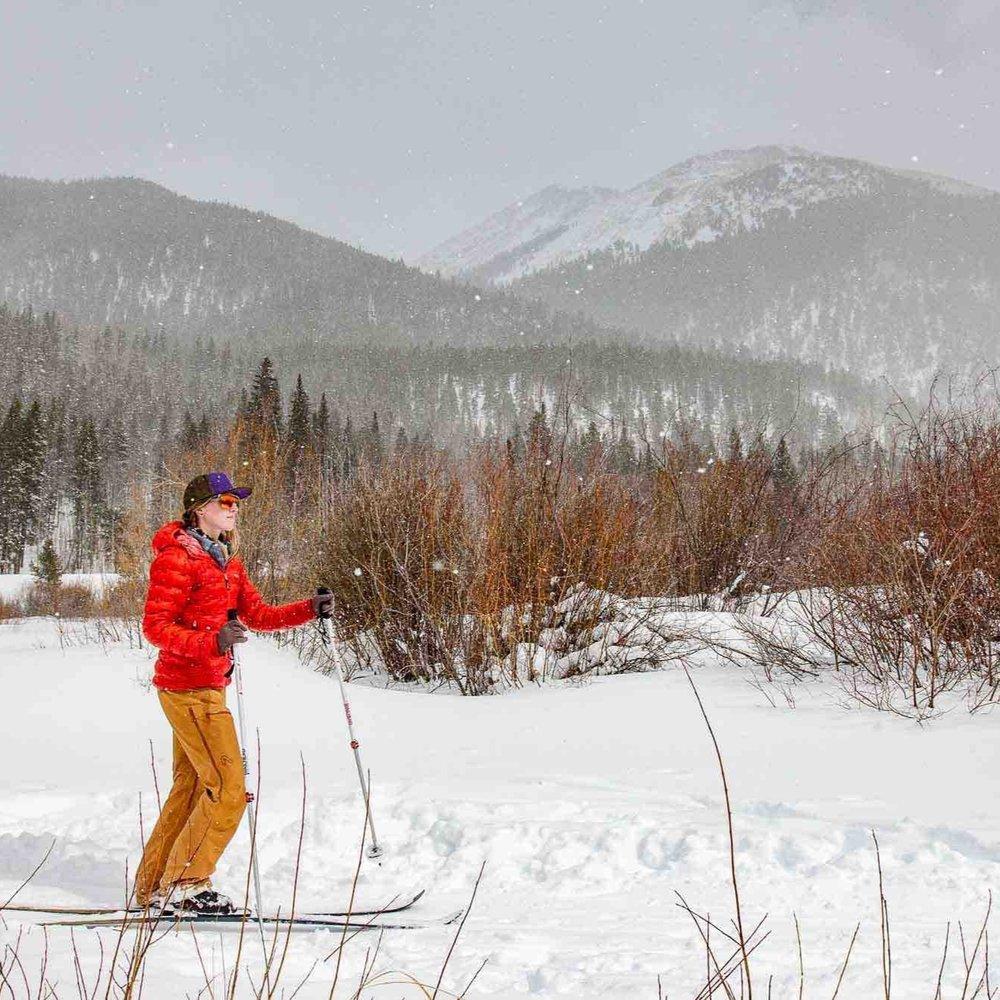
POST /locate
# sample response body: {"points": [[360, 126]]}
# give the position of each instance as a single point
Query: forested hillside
{"points": [[126, 251], [91, 414]]}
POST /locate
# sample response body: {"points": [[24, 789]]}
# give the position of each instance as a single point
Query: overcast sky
{"points": [[394, 124]]}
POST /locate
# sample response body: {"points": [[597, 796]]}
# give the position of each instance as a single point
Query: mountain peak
{"points": [[536, 220], [697, 200]]}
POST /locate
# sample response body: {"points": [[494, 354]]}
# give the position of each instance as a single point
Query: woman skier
{"points": [[195, 579]]}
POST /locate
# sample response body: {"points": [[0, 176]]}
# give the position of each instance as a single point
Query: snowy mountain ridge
{"points": [[696, 201], [782, 252]]}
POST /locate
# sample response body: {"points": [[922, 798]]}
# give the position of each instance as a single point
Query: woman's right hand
{"points": [[231, 633]]}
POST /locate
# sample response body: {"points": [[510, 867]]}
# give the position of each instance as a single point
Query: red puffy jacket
{"points": [[189, 596]]}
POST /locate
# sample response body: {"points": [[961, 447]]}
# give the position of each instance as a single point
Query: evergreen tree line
{"points": [[148, 378], [68, 478], [62, 477]]}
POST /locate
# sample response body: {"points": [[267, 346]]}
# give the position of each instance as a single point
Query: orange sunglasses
{"points": [[228, 501]]}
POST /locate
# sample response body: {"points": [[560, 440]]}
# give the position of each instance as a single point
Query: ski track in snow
{"points": [[590, 803]]}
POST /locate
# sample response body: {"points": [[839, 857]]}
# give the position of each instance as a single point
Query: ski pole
{"points": [[233, 615], [329, 640]]}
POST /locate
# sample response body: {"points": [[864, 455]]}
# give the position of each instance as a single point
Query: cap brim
{"points": [[242, 491]]}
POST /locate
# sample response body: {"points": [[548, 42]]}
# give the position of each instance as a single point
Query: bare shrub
{"points": [[68, 600], [908, 564], [456, 568], [398, 558], [9, 610], [714, 518]]}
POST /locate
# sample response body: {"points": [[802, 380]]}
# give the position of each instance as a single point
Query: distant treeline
{"points": [[454, 393], [92, 416]]}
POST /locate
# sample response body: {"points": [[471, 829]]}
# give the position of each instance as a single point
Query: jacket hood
{"points": [[173, 533]]}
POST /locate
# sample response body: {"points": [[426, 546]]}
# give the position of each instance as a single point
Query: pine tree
{"points": [[48, 575], [86, 495], [321, 425], [188, 438], [348, 450], [264, 404], [29, 468], [589, 449], [758, 453], [623, 453], [10, 446], [373, 445], [539, 435], [325, 443], [515, 444], [114, 482], [783, 468], [54, 476], [204, 431], [22, 458], [735, 446], [46, 565], [299, 430]]}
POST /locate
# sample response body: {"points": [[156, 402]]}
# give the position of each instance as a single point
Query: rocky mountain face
{"points": [[787, 253]]}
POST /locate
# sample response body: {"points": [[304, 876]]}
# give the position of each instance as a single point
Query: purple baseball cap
{"points": [[212, 484]]}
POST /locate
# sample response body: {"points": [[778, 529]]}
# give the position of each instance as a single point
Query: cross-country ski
{"points": [[395, 905], [314, 922]]}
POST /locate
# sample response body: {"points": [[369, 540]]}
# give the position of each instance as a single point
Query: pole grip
{"points": [[232, 614], [321, 591]]}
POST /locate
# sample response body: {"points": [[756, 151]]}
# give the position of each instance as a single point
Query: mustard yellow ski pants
{"points": [[207, 799]]}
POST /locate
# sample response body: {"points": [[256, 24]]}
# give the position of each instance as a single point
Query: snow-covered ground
{"points": [[591, 803]]}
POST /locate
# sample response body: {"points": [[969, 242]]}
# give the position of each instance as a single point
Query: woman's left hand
{"points": [[322, 604]]}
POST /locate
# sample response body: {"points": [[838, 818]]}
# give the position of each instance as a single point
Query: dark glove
{"points": [[231, 633], [322, 605]]}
